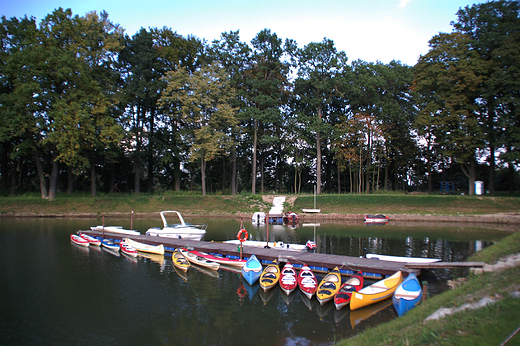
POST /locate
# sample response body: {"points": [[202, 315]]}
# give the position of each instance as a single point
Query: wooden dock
{"points": [[371, 268]]}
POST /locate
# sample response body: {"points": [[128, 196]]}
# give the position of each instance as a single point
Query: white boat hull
{"points": [[114, 229], [275, 245], [401, 259], [189, 234]]}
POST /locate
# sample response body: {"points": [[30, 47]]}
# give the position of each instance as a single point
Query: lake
{"points": [[55, 292]]}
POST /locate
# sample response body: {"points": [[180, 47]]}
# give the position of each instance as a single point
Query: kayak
{"points": [[307, 281], [376, 292], [76, 239], [329, 286], [201, 261], [91, 240], [270, 276], [155, 249], [110, 245], [252, 270], [288, 278], [408, 295], [180, 261], [353, 284], [128, 249]]}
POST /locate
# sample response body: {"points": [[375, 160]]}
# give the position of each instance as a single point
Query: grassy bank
{"points": [[489, 325], [228, 205]]}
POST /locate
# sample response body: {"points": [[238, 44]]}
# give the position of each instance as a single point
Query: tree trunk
{"points": [[41, 175], [255, 139], [70, 181], [339, 179], [203, 175], [234, 173], [136, 176], [93, 179], [53, 184], [491, 184], [469, 172], [318, 154]]}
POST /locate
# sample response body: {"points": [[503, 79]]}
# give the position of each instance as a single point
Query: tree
{"points": [[447, 81], [319, 82], [205, 98], [494, 32]]}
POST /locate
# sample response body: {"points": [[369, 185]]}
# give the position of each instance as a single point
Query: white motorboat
{"points": [[180, 230], [114, 229]]}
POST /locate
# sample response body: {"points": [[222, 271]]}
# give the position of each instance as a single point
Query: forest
{"points": [[86, 107]]}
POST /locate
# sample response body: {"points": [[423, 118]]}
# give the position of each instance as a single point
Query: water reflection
{"points": [[65, 294]]}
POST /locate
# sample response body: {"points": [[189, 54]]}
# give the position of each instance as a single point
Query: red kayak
{"points": [[128, 249], [91, 240], [307, 281], [288, 278], [76, 239], [354, 284]]}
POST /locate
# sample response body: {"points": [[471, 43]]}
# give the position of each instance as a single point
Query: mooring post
{"points": [[424, 290]]}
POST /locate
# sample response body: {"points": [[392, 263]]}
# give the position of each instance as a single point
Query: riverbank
{"points": [[497, 291], [399, 207]]}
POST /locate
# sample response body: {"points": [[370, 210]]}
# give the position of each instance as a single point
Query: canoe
{"points": [[91, 240], [155, 249], [407, 295], [353, 284], [329, 286], [201, 261], [252, 270], [76, 239], [288, 278], [401, 259], [128, 249], [376, 292], [110, 245], [180, 261], [235, 262], [270, 276], [307, 281]]}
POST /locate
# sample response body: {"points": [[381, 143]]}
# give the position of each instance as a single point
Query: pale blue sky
{"points": [[369, 30]]}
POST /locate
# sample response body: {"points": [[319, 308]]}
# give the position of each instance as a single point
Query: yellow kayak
{"points": [[180, 261], [376, 292], [270, 276], [329, 286]]}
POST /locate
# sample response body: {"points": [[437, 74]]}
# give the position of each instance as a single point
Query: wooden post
{"points": [[424, 290], [267, 244], [132, 221], [103, 228]]}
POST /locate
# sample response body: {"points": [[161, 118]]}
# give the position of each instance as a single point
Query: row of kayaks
{"points": [[126, 246], [406, 292]]}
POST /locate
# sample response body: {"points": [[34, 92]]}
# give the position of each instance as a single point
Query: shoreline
{"points": [[500, 218]]}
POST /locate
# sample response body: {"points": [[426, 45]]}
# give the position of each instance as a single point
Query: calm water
{"points": [[54, 292]]}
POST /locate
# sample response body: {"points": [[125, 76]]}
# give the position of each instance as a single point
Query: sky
{"points": [[369, 30]]}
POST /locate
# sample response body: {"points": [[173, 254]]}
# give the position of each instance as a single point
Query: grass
{"points": [[490, 325], [190, 203]]}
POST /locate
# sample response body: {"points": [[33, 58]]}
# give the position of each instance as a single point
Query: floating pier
{"points": [[371, 268]]}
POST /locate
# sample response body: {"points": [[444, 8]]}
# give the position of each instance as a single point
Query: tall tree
{"points": [[267, 84], [494, 31], [447, 81], [205, 98], [320, 81]]}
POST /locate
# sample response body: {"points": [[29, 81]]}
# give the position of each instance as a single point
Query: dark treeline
{"points": [[85, 107]]}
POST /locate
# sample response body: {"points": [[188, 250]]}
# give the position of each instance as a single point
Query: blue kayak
{"points": [[407, 295], [110, 245], [252, 270]]}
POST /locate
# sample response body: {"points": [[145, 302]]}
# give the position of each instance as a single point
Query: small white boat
{"points": [[128, 249], [401, 259], [379, 218], [180, 230], [91, 240], [114, 229], [280, 245], [154, 249], [76, 239]]}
